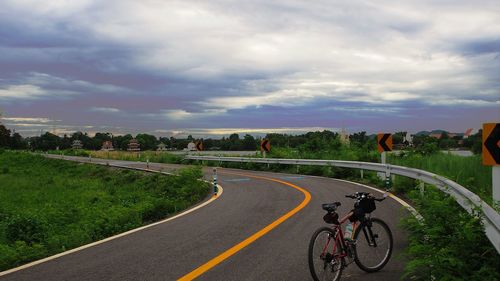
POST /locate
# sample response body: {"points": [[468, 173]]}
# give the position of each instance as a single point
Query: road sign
{"points": [[199, 145], [384, 142], [491, 144], [265, 145]]}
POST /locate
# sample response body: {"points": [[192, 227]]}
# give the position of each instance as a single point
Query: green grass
{"points": [[48, 206], [143, 156], [466, 171]]}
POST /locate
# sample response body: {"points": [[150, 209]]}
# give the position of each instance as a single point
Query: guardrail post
{"points": [[147, 163], [298, 167], [422, 188], [216, 190], [495, 173], [90, 158], [361, 172], [388, 184]]}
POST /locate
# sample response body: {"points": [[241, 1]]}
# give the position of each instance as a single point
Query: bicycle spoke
{"points": [[373, 256], [324, 256]]}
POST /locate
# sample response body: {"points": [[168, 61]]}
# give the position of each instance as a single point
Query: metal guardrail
{"points": [[465, 198]]}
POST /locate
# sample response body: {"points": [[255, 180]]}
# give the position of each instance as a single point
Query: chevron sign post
{"points": [[199, 146], [265, 146], [384, 144], [491, 154]]}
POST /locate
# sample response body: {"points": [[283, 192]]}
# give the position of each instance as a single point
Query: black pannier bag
{"points": [[367, 204], [331, 218]]}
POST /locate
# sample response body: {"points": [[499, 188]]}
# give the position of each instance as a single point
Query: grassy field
{"points": [[48, 206], [467, 171], [152, 156]]}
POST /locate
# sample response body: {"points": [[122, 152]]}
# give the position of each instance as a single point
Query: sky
{"points": [[211, 68]]}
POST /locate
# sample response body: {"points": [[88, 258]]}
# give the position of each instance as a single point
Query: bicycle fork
{"points": [[370, 237]]}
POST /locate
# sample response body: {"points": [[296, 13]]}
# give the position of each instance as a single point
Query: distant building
{"points": [[344, 136], [161, 147], [442, 134], [468, 133], [436, 135], [191, 147], [77, 144], [107, 146], [133, 145], [408, 139]]}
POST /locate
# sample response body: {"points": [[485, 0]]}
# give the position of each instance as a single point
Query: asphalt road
{"points": [[173, 249]]}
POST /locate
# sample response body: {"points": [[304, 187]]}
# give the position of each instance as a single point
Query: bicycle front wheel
{"points": [[325, 262], [373, 245]]}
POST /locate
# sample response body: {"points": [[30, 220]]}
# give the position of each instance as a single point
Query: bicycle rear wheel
{"points": [[325, 262], [373, 245]]}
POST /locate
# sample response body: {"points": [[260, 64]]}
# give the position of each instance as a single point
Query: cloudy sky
{"points": [[215, 67]]}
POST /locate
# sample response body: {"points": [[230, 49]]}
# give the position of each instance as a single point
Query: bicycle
{"points": [[369, 245]]}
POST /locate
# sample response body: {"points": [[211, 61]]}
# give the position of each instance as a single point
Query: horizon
{"points": [[226, 132], [209, 69]]}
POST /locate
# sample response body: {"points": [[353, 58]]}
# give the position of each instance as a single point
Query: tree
{"points": [[249, 142], [475, 142], [398, 137], [65, 142], [121, 142], [235, 142], [99, 139], [359, 138], [48, 141], [4, 136], [147, 142], [17, 142]]}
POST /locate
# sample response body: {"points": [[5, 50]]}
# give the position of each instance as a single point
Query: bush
{"points": [[450, 244], [28, 229]]}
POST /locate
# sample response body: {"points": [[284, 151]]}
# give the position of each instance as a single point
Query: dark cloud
{"points": [[481, 47], [149, 66]]}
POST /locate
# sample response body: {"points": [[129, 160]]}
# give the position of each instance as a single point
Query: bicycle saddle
{"points": [[330, 207]]}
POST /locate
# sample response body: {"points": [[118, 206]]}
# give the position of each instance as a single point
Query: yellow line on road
{"points": [[233, 250]]}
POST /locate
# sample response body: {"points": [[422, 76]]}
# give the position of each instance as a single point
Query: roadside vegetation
{"points": [[143, 156], [48, 206], [466, 171], [450, 245]]}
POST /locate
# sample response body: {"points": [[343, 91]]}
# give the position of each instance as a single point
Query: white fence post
{"points": [[495, 174]]}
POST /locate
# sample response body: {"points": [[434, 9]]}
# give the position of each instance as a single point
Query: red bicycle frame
{"points": [[339, 237]]}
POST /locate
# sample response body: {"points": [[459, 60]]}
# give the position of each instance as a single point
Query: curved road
{"points": [[250, 202]]}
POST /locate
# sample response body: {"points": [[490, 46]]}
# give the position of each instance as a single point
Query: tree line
{"points": [[311, 141]]}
